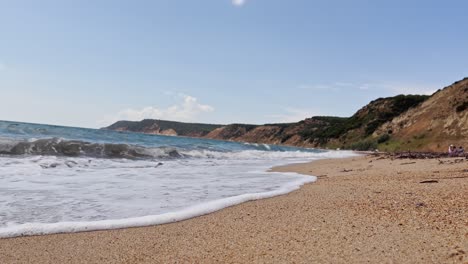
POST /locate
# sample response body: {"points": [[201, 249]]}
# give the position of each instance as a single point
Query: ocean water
{"points": [[57, 179]]}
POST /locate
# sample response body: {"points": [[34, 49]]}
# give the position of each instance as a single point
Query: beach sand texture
{"points": [[360, 210]]}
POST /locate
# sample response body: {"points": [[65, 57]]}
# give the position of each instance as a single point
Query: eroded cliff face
{"points": [[395, 123], [230, 132], [279, 134], [268, 134], [162, 127], [258, 134], [438, 122]]}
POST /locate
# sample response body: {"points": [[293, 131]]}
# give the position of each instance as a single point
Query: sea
{"points": [[56, 179]]}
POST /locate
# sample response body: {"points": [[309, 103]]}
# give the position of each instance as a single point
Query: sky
{"points": [[89, 63]]}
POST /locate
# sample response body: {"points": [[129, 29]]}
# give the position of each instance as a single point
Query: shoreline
{"points": [[197, 210], [360, 209]]}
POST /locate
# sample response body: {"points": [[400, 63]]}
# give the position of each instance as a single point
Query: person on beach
{"points": [[461, 151], [452, 150]]}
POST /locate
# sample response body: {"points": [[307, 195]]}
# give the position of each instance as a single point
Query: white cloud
{"points": [[344, 84], [313, 87], [2, 66], [410, 88], [386, 86], [364, 86], [293, 115], [337, 86], [238, 2], [184, 111]]}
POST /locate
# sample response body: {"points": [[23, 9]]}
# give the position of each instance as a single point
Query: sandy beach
{"points": [[365, 209]]}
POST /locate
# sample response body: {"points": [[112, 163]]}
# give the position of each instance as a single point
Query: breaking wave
{"points": [[61, 179], [75, 148]]}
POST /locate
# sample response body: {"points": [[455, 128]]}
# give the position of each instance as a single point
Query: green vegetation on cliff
{"points": [[153, 125], [355, 132]]}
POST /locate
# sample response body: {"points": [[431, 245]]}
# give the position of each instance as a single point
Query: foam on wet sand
{"points": [[360, 210]]}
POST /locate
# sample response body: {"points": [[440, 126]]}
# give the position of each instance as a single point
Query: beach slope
{"points": [[365, 209]]}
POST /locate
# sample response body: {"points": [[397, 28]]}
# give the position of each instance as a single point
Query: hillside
{"points": [[323, 131], [402, 122], [434, 125], [162, 127], [286, 134], [320, 131]]}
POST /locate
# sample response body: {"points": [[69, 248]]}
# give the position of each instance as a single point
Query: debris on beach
{"points": [[429, 181], [418, 155], [407, 163]]}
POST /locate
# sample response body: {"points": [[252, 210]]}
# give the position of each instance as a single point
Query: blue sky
{"points": [[88, 63]]}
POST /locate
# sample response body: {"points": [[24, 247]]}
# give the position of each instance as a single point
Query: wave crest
{"points": [[75, 148]]}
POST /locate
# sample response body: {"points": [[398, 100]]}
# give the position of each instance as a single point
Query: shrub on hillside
{"points": [[383, 138], [462, 107], [364, 145]]}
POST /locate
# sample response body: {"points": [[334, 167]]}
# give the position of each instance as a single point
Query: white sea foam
{"points": [[29, 229], [267, 155], [50, 194]]}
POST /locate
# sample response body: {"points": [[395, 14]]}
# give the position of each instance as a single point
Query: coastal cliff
{"points": [[402, 122], [433, 125], [162, 127]]}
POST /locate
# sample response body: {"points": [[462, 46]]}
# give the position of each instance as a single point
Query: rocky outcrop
{"points": [[230, 132]]}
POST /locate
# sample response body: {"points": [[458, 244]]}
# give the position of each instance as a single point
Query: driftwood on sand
{"points": [[417, 155]]}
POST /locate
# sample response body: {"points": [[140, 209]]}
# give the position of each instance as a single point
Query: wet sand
{"points": [[362, 209]]}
